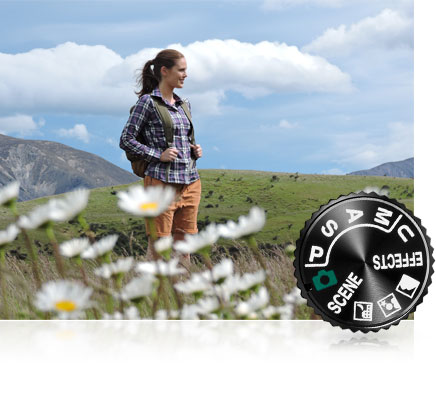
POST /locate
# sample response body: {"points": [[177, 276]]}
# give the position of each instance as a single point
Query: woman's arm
{"points": [[135, 124], [196, 149]]}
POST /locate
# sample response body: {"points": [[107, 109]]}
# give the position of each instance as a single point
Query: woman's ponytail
{"points": [[147, 80], [149, 77]]}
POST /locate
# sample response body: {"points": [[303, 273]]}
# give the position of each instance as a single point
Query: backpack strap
{"points": [[165, 117], [188, 114], [168, 126]]}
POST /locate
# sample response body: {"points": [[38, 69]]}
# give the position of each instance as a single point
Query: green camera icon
{"points": [[324, 279]]}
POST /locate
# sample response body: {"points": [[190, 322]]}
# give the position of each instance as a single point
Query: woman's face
{"points": [[176, 75]]}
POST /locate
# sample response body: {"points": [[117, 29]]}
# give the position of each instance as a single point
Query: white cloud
{"points": [[76, 78], [259, 69], [206, 103], [388, 30], [281, 4], [406, 5], [285, 124], [112, 142], [22, 124], [79, 132], [362, 150]]}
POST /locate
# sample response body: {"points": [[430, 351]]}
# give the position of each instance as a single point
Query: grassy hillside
{"points": [[289, 199]]}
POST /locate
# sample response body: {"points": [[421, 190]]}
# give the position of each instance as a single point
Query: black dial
{"points": [[363, 262]]}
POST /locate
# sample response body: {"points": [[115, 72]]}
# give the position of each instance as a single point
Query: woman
{"points": [[158, 80]]}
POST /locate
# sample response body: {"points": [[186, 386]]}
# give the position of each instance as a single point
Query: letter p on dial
{"points": [[315, 251]]}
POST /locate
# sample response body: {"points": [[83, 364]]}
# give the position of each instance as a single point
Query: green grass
{"points": [[289, 199]]}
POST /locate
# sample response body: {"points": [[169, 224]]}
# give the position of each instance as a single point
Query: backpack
{"points": [[139, 164]]}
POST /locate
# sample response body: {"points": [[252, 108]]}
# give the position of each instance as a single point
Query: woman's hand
{"points": [[169, 154], [197, 150]]}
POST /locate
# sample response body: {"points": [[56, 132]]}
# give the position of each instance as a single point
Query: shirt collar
{"points": [[156, 92]]}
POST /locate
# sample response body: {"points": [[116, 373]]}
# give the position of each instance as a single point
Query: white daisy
{"points": [[294, 297], [138, 288], [190, 311], [254, 303], [208, 305], [38, 217], [161, 268], [120, 266], [376, 189], [163, 314], [9, 234], [115, 316], [149, 202], [221, 270], [163, 244], [247, 225], [129, 314], [72, 204], [219, 273], [236, 283], [282, 312], [101, 247], [9, 192], [73, 247], [197, 284], [226, 289], [251, 279], [68, 299], [198, 242], [290, 249]]}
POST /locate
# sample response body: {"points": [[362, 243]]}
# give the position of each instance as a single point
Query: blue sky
{"points": [[314, 86]]}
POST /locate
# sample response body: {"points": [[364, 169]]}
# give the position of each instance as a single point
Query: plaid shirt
{"points": [[144, 120]]}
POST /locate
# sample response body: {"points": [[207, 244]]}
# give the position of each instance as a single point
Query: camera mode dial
{"points": [[363, 262]]}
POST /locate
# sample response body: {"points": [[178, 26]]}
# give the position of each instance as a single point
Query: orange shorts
{"points": [[181, 216]]}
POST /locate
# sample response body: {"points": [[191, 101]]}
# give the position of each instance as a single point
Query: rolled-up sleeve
{"points": [[135, 125]]}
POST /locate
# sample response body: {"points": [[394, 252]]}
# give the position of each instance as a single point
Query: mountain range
{"points": [[397, 169], [45, 168]]}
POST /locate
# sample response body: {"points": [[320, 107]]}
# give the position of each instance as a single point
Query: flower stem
{"points": [[79, 262], [85, 226], [152, 228], [156, 299], [110, 303], [118, 280], [176, 295], [208, 262], [152, 237], [254, 247], [3, 281], [33, 257], [30, 249], [164, 294], [59, 262], [13, 207]]}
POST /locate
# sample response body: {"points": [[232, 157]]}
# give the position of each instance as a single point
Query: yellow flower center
{"points": [[148, 206], [65, 305]]}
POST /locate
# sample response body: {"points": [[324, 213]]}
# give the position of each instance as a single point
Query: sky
{"points": [[309, 86]]}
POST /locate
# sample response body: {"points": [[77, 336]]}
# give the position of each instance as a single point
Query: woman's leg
{"points": [[185, 216], [163, 223]]}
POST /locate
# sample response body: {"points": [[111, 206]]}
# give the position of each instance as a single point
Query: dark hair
{"points": [[150, 77]]}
